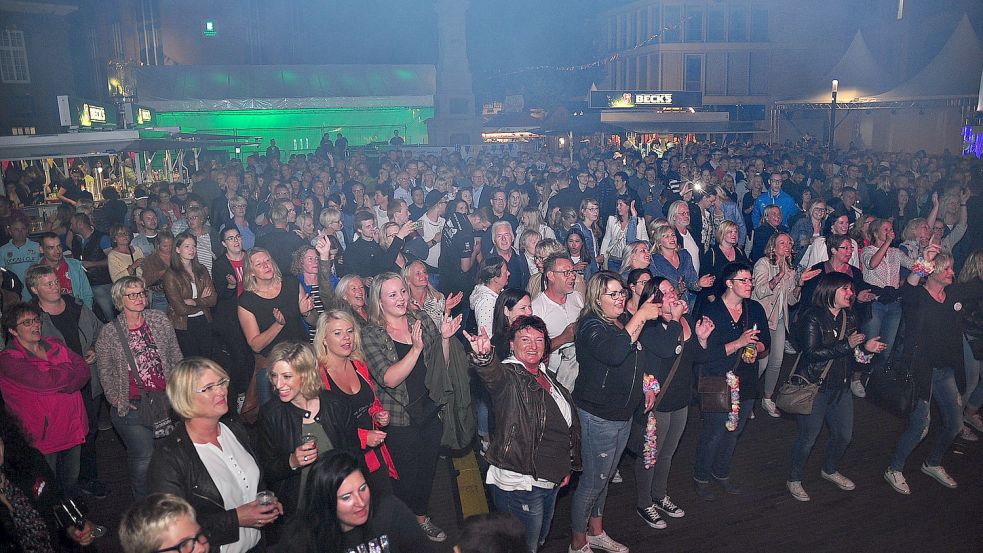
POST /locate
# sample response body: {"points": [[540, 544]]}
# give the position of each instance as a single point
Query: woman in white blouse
{"points": [[210, 464], [622, 229]]}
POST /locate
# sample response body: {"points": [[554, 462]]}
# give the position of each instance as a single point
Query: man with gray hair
{"points": [[559, 306]]}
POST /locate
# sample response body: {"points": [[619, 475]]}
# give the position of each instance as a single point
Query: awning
{"points": [[89, 144]]}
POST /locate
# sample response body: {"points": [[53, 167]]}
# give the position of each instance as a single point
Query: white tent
{"points": [[951, 73], [858, 73]]}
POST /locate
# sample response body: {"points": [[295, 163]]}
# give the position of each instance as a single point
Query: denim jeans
{"points": [[88, 469], [533, 508], [973, 398], [158, 301], [884, 321], [65, 465], [102, 298], [835, 408], [139, 442], [771, 366], [946, 396], [651, 484], [715, 448], [601, 446]]}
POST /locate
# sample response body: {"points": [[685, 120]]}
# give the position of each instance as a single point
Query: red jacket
{"points": [[45, 395], [372, 461]]}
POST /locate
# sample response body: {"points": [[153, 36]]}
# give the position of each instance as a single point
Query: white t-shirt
{"points": [[563, 361], [430, 230], [236, 476], [689, 244]]}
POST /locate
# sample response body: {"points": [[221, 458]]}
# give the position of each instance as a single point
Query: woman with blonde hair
{"points": [[351, 290], [331, 223], [531, 218], [638, 255], [209, 463], [408, 356], [271, 310], [299, 426], [423, 296], [777, 286], [349, 389], [933, 334], [675, 264]]}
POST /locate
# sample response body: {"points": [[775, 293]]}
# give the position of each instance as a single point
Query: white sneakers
{"points": [[842, 482], [939, 473], [771, 408], [797, 491], [603, 541], [897, 481]]}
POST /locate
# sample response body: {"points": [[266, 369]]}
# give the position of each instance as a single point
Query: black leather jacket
{"points": [[280, 425], [823, 342], [520, 415], [176, 468]]}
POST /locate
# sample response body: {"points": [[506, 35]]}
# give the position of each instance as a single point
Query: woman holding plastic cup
{"points": [[211, 464], [299, 426]]}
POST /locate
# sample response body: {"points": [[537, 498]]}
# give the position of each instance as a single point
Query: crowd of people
{"points": [[285, 347]]}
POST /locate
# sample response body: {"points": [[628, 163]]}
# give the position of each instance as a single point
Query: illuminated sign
{"points": [[639, 99], [209, 28], [80, 114], [140, 117]]}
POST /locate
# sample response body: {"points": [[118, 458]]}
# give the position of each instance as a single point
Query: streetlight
{"points": [[832, 114]]}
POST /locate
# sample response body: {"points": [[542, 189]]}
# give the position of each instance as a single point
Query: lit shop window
{"points": [[13, 57]]}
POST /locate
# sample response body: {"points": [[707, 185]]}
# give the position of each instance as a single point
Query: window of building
{"points": [[22, 131], [758, 72], [643, 25], [694, 24], [623, 32], [673, 24], [738, 24], [458, 106], [13, 58], [653, 72], [693, 73], [759, 25], [656, 23], [716, 24]]}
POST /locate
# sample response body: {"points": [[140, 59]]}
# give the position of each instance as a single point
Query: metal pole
{"points": [[832, 116]]}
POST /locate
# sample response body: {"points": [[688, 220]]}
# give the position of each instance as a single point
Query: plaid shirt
{"points": [[380, 354]]}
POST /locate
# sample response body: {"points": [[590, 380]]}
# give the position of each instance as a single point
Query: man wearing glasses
{"points": [[559, 306]]}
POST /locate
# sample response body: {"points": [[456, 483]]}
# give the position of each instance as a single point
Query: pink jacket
{"points": [[45, 395]]}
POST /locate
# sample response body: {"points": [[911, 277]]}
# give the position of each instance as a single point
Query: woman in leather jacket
{"points": [[607, 392], [536, 443], [211, 463], [829, 334], [299, 408], [190, 297]]}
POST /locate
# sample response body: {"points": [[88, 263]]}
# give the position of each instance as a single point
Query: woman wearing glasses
{"points": [[227, 276], [592, 235], [146, 336], [40, 379], [607, 393], [162, 523], [211, 464], [239, 206], [739, 324]]}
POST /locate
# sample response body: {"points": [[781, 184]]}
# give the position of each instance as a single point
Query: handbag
{"points": [[154, 411], [713, 391], [797, 394], [892, 388]]}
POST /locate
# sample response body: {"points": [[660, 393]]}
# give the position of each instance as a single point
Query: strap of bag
{"points": [[124, 338], [672, 373], [829, 363]]}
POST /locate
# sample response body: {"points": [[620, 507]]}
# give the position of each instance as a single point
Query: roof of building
{"points": [[211, 82]]}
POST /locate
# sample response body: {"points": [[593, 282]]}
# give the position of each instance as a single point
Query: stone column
{"points": [[455, 120]]}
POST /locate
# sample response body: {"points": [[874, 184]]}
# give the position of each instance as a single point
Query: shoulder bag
{"points": [[797, 395], [713, 390], [154, 410]]}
